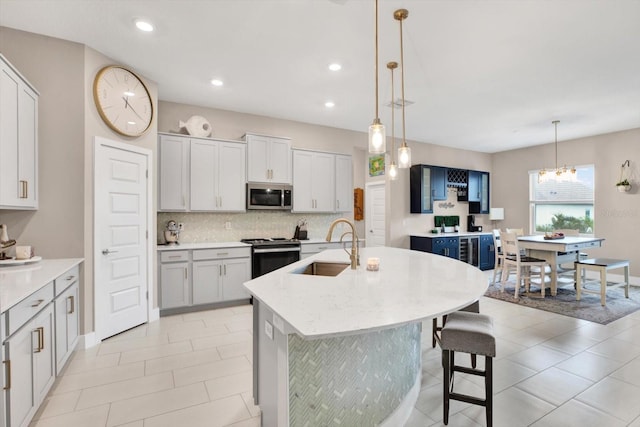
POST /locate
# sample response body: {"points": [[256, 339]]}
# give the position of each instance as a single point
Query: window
{"points": [[563, 204]]}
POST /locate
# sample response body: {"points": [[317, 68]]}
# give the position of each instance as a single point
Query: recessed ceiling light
{"points": [[335, 67], [329, 104], [217, 82], [144, 25]]}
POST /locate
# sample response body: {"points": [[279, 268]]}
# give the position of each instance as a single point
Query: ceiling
{"points": [[484, 75]]}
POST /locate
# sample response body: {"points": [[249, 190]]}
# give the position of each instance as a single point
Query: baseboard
{"points": [[87, 341]]}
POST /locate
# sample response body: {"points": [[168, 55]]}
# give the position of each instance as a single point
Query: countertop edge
{"points": [[17, 282]]}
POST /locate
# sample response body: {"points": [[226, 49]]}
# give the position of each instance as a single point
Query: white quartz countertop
{"points": [[18, 282], [187, 246], [324, 241], [410, 286], [454, 234]]}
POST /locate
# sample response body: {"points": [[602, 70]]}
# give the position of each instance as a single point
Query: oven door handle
{"points": [[273, 250]]}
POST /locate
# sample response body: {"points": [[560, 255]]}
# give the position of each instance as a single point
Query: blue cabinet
{"points": [[438, 183], [426, 184], [478, 192], [487, 252], [445, 246]]}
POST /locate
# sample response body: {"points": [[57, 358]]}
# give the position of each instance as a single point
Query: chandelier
{"points": [[559, 173]]}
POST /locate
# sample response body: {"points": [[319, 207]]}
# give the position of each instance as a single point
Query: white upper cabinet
{"points": [[217, 176], [18, 140], [198, 174], [314, 181], [268, 159], [173, 173], [344, 183]]}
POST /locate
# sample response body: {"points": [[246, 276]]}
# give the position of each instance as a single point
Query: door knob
{"points": [[370, 231], [107, 252]]}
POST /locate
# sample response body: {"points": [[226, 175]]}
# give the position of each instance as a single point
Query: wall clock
{"points": [[123, 100]]}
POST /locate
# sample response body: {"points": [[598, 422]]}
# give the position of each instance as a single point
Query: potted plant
{"points": [[623, 186]]}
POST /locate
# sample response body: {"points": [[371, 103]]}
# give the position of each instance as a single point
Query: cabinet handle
{"points": [[222, 254], [37, 303], [69, 278], [219, 270], [175, 256], [7, 364], [338, 203], [183, 202], [225, 269], [24, 189], [185, 273], [40, 331], [72, 299]]}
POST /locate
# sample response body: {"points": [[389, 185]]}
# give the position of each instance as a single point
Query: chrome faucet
{"points": [[354, 242]]}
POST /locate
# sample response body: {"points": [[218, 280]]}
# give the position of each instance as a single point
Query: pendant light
{"points": [[559, 174], [404, 152], [393, 168], [377, 137]]}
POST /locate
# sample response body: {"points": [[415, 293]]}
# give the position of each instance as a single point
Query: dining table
{"points": [[556, 251]]}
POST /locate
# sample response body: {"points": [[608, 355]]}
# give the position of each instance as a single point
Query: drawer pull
{"points": [[222, 253], [70, 278], [7, 364], [72, 299], [175, 256], [40, 301]]}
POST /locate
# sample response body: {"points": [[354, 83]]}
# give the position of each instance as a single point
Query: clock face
{"points": [[123, 101]]}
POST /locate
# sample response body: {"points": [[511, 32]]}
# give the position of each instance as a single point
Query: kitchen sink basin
{"points": [[323, 268]]}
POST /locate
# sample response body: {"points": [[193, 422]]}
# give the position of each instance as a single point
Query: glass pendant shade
{"points": [[393, 171], [404, 157], [377, 138]]}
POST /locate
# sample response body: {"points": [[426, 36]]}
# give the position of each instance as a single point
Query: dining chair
{"points": [[569, 270], [517, 231], [499, 256], [525, 267]]}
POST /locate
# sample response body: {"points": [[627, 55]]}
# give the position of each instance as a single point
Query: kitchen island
{"points": [[345, 349]]}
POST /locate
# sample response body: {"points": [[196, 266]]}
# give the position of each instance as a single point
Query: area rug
{"points": [[588, 308]]}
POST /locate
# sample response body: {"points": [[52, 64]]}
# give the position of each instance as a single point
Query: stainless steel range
{"points": [[270, 254]]}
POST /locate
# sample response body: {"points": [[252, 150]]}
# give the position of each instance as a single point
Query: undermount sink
{"points": [[323, 268]]}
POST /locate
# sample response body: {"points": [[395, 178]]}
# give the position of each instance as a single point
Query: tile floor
{"points": [[194, 370]]}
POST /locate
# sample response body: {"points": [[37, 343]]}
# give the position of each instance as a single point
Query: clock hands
{"points": [[126, 104]]}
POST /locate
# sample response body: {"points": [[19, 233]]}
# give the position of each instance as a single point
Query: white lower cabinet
{"points": [[216, 275], [30, 367], [67, 324], [207, 277], [174, 278]]}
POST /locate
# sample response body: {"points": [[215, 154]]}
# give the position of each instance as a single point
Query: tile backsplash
{"points": [[231, 227]]}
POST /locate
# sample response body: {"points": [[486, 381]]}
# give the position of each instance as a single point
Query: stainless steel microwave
{"points": [[269, 196]]}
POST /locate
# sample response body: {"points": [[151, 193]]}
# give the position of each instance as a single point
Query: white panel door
{"points": [[27, 147], [9, 88], [120, 247], [375, 214]]}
